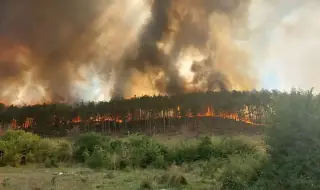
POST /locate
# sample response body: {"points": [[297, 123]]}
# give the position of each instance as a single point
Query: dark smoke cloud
{"points": [[55, 31], [57, 37], [186, 24]]}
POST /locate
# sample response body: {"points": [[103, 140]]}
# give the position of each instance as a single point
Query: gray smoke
{"points": [[47, 44]]}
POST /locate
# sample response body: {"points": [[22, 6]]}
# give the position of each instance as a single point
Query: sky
{"points": [[285, 43]]}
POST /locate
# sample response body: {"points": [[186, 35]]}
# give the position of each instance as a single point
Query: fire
{"points": [[225, 115], [76, 120], [106, 118], [26, 124]]}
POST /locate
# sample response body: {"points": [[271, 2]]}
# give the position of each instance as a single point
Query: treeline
{"points": [[154, 111]]}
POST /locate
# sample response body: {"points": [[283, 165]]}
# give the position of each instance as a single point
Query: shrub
{"points": [[46, 148], [186, 152], [207, 148], [24, 142], [97, 159], [23, 147], [235, 145], [30, 158], [146, 152], [88, 142], [50, 162], [17, 145], [64, 151]]}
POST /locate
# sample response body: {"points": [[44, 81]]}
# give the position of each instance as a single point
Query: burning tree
{"points": [[148, 112]]}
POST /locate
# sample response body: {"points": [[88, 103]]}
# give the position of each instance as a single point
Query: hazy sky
{"points": [[286, 43]]}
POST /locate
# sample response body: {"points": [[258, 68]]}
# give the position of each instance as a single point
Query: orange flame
{"points": [[101, 118]]}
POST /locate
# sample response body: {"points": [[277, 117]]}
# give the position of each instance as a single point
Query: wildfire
{"points": [[105, 118], [225, 115], [99, 118], [26, 124], [76, 120]]}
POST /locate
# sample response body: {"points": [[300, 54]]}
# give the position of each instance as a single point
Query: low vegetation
{"points": [[221, 160]]}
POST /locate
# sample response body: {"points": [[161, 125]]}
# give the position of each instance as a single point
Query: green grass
{"points": [[31, 178]]}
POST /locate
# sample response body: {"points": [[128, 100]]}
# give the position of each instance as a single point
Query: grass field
{"points": [[32, 178]]}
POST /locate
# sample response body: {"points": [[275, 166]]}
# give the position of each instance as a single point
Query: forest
{"points": [[158, 112]]}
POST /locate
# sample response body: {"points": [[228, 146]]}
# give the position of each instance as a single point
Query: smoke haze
{"points": [[57, 50], [286, 43]]}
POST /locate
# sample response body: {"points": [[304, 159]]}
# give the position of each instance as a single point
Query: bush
{"points": [[64, 151], [146, 152], [97, 159], [21, 147], [207, 148], [236, 146], [50, 163], [186, 152], [88, 142], [17, 145], [46, 148]]}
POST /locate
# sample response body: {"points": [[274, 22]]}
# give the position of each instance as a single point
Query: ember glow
{"points": [[209, 113]]}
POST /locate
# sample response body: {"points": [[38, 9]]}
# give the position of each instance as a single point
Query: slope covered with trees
{"points": [[152, 112]]}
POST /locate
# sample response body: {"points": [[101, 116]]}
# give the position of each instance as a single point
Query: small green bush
{"points": [[17, 144], [88, 142], [186, 152], [50, 163], [46, 148], [146, 152], [64, 151], [236, 145], [23, 147], [97, 159]]}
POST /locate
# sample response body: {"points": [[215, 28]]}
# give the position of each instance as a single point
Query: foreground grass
{"points": [[32, 178]]}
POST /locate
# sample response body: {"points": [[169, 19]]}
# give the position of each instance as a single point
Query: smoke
{"points": [[286, 43], [77, 49], [182, 28]]}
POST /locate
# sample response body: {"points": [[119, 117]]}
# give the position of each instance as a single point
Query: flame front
{"points": [[210, 113]]}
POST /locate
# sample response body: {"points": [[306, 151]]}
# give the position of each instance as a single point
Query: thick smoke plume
{"points": [[57, 50]]}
